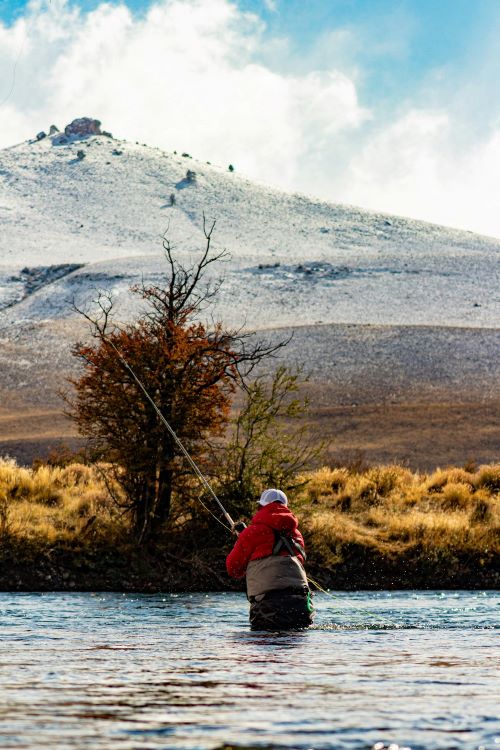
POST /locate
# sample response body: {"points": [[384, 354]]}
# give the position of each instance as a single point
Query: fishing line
{"points": [[29, 22], [184, 452], [14, 69], [13, 81], [361, 608], [16, 62], [213, 515], [202, 478]]}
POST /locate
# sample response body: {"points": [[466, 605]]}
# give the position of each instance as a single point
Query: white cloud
{"points": [[419, 167], [190, 76], [400, 161], [183, 77]]}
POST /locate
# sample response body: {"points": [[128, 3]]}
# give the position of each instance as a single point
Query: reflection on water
{"points": [[141, 672]]}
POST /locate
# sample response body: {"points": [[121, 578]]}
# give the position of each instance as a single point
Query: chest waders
{"points": [[294, 548], [287, 608]]}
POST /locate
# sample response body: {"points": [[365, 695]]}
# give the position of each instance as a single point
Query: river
{"points": [[141, 672]]}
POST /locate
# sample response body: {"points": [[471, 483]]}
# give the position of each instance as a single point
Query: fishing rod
{"points": [[181, 447], [193, 464]]}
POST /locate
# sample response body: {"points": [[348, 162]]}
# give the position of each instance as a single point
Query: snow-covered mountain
{"points": [[395, 319], [74, 224]]}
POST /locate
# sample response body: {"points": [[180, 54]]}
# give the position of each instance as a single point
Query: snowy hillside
{"points": [[69, 225], [396, 320]]}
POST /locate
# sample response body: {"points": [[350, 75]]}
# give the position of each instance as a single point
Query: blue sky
{"points": [[392, 104], [405, 38]]}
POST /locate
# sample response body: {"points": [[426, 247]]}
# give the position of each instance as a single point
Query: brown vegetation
{"points": [[51, 504], [391, 516], [378, 527], [164, 369]]}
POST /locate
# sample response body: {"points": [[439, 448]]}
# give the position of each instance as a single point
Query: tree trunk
{"points": [[163, 500], [143, 510]]}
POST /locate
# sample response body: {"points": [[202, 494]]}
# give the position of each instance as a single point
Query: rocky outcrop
{"points": [[83, 126], [79, 129]]}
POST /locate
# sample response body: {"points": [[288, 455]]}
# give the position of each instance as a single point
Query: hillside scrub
{"points": [[381, 527]]}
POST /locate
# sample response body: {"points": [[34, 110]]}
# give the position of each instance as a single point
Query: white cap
{"points": [[273, 496]]}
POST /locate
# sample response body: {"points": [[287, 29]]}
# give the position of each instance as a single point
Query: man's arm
{"points": [[238, 558]]}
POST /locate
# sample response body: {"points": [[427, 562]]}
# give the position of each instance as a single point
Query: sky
{"points": [[391, 105]]}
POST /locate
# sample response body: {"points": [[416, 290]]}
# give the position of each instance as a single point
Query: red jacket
{"points": [[258, 540]]}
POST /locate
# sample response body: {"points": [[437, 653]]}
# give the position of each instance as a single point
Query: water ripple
{"points": [[143, 672]]}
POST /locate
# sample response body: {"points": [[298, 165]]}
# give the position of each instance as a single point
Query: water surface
{"points": [[137, 672]]}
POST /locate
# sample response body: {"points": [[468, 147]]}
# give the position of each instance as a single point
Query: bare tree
{"points": [[190, 370]]}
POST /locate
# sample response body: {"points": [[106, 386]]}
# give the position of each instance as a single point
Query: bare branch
{"points": [[190, 372]]}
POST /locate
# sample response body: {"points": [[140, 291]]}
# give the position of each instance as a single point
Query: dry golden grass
{"points": [[387, 510], [390, 510], [50, 504]]}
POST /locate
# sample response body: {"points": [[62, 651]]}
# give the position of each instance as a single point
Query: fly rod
{"points": [[191, 462], [184, 452]]}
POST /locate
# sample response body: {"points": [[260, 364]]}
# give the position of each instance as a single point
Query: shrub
{"points": [[456, 495], [388, 478], [489, 478], [269, 442], [77, 475], [441, 477], [323, 484]]}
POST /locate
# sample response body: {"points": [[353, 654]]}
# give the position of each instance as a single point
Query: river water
{"points": [[141, 672]]}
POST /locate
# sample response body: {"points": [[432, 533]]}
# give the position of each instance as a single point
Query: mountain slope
{"points": [[396, 320], [293, 259]]}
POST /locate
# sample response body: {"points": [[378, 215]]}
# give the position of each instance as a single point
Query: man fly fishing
{"points": [[270, 552]]}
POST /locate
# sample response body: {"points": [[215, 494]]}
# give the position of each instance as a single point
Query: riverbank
{"points": [[379, 528]]}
